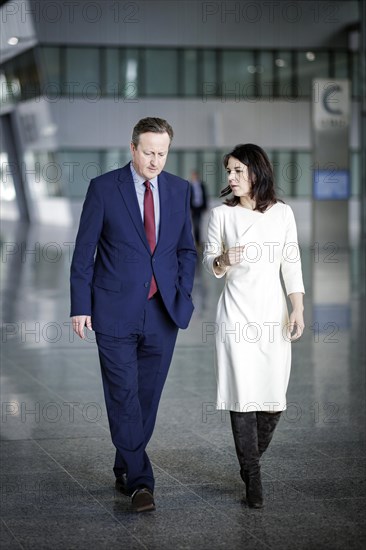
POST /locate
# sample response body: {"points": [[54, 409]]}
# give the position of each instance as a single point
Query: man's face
{"points": [[150, 155]]}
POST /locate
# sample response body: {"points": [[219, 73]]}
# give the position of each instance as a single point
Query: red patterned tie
{"points": [[149, 223]]}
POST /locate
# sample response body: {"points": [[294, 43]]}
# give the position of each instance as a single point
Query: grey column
{"points": [[13, 150], [331, 175]]}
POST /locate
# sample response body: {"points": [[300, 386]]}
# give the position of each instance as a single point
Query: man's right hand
{"points": [[79, 322]]}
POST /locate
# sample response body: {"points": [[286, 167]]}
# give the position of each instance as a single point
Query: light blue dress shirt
{"points": [[139, 182]]}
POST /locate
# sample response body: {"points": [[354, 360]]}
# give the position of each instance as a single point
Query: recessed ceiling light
{"points": [[310, 56]]}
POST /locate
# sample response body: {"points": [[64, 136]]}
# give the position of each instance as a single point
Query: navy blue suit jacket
{"points": [[112, 285]]}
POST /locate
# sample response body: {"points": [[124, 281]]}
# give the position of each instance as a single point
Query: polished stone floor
{"points": [[56, 454]]}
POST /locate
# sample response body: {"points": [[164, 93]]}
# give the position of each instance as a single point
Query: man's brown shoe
{"points": [[143, 500]]}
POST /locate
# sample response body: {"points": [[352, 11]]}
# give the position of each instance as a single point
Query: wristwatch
{"points": [[218, 263]]}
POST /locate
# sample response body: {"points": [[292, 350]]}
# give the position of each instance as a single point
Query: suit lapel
{"points": [[165, 203], [127, 188]]}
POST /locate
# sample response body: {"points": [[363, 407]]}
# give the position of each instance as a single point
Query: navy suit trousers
{"points": [[134, 369]]}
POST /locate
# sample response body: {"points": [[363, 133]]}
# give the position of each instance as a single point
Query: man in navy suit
{"points": [[135, 292]]}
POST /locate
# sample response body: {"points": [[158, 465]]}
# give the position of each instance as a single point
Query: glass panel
{"points": [[238, 71], [264, 69], [355, 173], [115, 158], [283, 64], [51, 58], [82, 72], [172, 164], [303, 175], [356, 92], [44, 174], [6, 93], [273, 157], [340, 64], [111, 77], [189, 163], [161, 72], [270, 156], [283, 173], [7, 189], [209, 66], [190, 83], [222, 175], [112, 159], [311, 65], [121, 73], [22, 76], [125, 156], [129, 76], [209, 87], [210, 170], [79, 167]]}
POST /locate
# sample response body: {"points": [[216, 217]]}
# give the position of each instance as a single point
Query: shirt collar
{"points": [[139, 180]]}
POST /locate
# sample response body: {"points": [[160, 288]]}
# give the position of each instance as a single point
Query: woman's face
{"points": [[238, 177]]}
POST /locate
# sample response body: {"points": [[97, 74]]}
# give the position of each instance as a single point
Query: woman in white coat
{"points": [[251, 238]]}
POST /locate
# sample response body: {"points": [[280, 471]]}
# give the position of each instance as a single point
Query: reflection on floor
{"points": [[56, 454]]}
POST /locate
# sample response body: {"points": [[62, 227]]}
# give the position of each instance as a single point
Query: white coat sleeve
{"points": [[214, 245], [291, 260]]}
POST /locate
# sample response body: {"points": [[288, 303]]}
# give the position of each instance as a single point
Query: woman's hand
{"points": [[296, 317], [233, 256], [296, 323]]}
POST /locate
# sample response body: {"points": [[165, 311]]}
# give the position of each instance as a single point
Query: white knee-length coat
{"points": [[253, 351]]}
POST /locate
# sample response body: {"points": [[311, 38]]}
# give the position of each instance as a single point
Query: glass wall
{"points": [[20, 77], [8, 203], [284, 81], [189, 73], [237, 75], [161, 72], [131, 73], [68, 172], [82, 71], [310, 65], [193, 72]]}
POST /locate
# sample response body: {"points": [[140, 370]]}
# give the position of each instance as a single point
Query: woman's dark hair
{"points": [[260, 174]]}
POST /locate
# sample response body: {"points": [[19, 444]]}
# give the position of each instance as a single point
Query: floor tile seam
{"points": [[343, 457], [316, 479], [95, 499], [287, 485], [213, 508], [230, 452], [184, 346], [48, 438], [44, 386], [297, 439], [12, 534], [335, 499], [37, 442], [340, 458], [45, 351], [207, 439], [179, 347], [50, 390]]}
